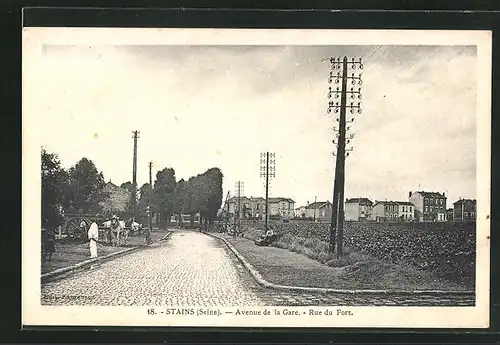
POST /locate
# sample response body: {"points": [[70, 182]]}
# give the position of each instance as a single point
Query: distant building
{"points": [[406, 211], [429, 206], [449, 214], [464, 209], [255, 207], [385, 211], [300, 212], [358, 209], [321, 211], [283, 207]]}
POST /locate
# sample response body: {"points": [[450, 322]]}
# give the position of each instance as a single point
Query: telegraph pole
{"points": [[239, 192], [267, 171], [341, 66], [315, 200], [150, 215], [134, 175]]}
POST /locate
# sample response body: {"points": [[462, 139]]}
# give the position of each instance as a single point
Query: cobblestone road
{"points": [[192, 269]]}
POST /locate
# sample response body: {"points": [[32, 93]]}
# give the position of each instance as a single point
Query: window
{"points": [[426, 208]]}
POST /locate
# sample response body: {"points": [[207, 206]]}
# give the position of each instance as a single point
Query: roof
{"points": [[359, 201], [399, 203], [463, 201], [116, 200], [317, 204], [431, 194], [281, 199], [257, 198]]}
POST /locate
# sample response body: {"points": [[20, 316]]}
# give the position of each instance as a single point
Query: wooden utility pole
{"points": [[341, 76], [315, 200], [150, 213], [267, 171], [134, 175], [237, 219]]}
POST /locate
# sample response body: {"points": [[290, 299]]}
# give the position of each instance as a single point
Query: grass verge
{"points": [[69, 254]]}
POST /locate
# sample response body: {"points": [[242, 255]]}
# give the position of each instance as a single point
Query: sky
{"points": [[199, 107]]}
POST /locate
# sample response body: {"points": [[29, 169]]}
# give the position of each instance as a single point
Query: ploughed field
{"points": [[447, 250]]}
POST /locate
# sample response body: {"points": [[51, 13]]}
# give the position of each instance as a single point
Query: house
{"points": [[464, 210], [283, 207], [300, 212], [406, 211], [357, 209], [245, 207], [385, 211], [320, 211], [429, 206], [255, 207]]}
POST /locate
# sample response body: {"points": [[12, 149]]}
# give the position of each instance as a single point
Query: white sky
{"points": [[198, 107]]}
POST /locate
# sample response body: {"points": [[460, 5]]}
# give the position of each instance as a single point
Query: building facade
{"points": [[320, 211], [385, 211], [255, 207], [429, 206], [406, 211], [300, 212], [358, 209], [464, 210]]}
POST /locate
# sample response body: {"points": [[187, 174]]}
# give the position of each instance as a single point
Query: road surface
{"points": [[193, 269]]}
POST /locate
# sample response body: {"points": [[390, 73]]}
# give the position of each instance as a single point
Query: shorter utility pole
{"points": [[315, 200], [150, 214], [239, 192]]}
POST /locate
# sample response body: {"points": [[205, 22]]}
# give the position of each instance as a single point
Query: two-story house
{"points": [[464, 209], [406, 211], [255, 207], [385, 211], [358, 209], [429, 206], [284, 207]]}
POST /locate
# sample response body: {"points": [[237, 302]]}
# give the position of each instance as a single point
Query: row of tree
{"points": [[201, 194], [80, 190]]}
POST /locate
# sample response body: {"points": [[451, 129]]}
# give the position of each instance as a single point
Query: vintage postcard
{"points": [[256, 178]]}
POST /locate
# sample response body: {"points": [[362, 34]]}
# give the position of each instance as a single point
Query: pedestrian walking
{"points": [[147, 236], [49, 245], [93, 235]]}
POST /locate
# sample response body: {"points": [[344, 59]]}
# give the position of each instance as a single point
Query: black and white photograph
{"points": [[256, 177]]}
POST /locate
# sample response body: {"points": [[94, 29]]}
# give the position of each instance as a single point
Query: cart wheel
{"points": [[73, 228]]}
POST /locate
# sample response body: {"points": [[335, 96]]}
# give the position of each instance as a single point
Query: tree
{"points": [[86, 187], [205, 192], [129, 206], [164, 191], [145, 199], [54, 189], [181, 198]]}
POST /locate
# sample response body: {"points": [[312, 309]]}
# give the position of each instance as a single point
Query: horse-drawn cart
{"points": [[76, 225]]}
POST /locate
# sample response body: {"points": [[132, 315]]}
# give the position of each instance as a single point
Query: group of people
{"points": [[266, 238], [116, 234]]}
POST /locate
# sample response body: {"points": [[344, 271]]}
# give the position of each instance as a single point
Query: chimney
{"points": [[409, 194]]}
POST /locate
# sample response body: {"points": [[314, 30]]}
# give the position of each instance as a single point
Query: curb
{"points": [[261, 281], [49, 276]]}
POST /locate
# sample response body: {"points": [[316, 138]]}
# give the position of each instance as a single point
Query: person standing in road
{"points": [[93, 236]]}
